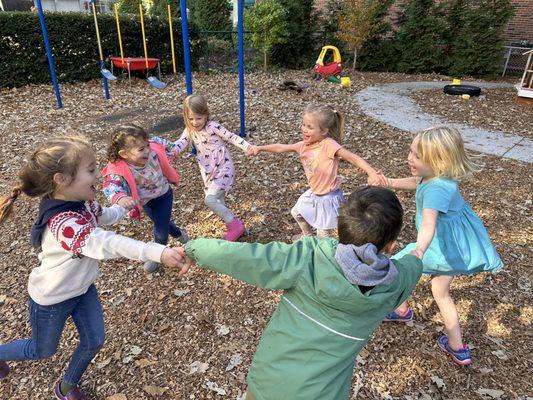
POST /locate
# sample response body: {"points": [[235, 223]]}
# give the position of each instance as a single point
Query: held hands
{"points": [[127, 202], [376, 178], [417, 253], [186, 264], [252, 150], [171, 257]]}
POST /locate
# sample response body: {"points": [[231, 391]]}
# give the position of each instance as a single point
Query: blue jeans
{"points": [[160, 211], [47, 323]]}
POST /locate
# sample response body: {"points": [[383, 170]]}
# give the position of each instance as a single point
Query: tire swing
{"points": [[462, 89]]}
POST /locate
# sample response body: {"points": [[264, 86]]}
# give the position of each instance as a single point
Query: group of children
{"points": [[337, 290]]}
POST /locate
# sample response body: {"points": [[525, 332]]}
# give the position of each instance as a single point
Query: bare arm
{"points": [[373, 177], [276, 148], [402, 183], [426, 231]]}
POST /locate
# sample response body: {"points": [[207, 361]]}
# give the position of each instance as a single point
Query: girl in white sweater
{"points": [[63, 173]]}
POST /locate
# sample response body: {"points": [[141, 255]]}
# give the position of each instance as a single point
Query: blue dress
{"points": [[461, 244]]}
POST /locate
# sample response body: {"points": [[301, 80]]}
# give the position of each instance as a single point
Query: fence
{"points": [[220, 51], [514, 59]]}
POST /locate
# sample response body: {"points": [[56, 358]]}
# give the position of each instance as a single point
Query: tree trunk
{"points": [[354, 59], [264, 60]]}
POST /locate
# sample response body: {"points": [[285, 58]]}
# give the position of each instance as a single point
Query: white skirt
{"points": [[320, 211]]}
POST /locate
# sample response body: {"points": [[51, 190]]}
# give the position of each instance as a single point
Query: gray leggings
{"points": [[308, 230], [214, 199]]}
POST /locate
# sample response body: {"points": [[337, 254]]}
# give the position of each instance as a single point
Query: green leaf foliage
{"points": [[299, 51], [210, 15], [73, 40], [476, 35], [421, 38], [267, 22]]}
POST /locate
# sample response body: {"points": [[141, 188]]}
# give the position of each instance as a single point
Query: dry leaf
{"points": [[154, 390]]}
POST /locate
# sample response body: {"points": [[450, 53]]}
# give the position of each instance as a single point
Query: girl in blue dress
{"points": [[451, 238]]}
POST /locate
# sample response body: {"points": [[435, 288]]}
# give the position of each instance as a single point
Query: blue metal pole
{"points": [[240, 34], [105, 82], [186, 50], [49, 53]]}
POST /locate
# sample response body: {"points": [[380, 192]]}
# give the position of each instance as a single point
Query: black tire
{"points": [[462, 89]]}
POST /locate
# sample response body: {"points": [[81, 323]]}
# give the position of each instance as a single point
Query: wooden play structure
{"points": [[525, 87]]}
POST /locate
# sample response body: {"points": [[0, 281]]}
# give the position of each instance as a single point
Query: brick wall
{"points": [[519, 28]]}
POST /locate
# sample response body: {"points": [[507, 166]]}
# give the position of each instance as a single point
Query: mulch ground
{"points": [[494, 109], [194, 338]]}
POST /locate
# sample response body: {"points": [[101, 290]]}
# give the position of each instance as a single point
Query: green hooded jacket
{"points": [[308, 349]]}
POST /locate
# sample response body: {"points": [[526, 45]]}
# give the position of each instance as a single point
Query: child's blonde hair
{"points": [[442, 149], [197, 104], [328, 118], [58, 155], [123, 137]]}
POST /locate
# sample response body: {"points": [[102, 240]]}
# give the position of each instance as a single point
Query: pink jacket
{"points": [[121, 168]]}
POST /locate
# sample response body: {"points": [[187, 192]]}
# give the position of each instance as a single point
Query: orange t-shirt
{"points": [[320, 164]]}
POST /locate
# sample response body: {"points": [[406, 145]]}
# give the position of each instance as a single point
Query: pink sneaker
{"points": [[235, 229], [4, 369]]}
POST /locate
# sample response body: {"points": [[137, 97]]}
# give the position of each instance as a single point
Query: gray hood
{"points": [[364, 266]]}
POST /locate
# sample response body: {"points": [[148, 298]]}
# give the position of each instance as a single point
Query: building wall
{"points": [[519, 28]]}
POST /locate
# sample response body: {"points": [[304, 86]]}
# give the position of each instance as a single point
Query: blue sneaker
{"points": [[395, 317], [459, 357]]}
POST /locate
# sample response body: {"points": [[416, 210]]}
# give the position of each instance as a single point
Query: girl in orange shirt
{"points": [[319, 151]]}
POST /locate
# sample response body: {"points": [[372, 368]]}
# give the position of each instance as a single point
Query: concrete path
{"points": [[391, 104]]}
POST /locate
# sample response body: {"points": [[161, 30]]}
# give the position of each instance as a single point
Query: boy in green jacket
{"points": [[336, 293]]}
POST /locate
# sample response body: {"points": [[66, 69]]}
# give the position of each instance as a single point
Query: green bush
{"points": [[267, 21], [421, 38], [299, 50], [476, 35], [73, 40], [210, 15]]}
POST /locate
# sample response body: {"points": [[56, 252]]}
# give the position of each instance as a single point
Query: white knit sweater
{"points": [[73, 243]]}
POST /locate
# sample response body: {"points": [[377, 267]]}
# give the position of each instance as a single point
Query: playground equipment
{"points": [[186, 54], [456, 88], [333, 68], [152, 80], [171, 40], [135, 63], [525, 87], [106, 74], [49, 53]]}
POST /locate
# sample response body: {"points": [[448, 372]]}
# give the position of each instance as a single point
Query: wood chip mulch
{"points": [[194, 338]]}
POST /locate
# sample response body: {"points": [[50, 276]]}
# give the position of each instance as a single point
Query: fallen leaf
{"points": [[215, 388], [235, 360], [180, 292], [154, 390], [222, 330], [198, 366], [438, 381], [144, 362], [118, 396], [492, 393]]}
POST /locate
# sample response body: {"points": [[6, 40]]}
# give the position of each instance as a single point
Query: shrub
{"points": [[73, 40]]}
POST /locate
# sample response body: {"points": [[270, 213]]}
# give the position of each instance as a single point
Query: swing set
{"points": [[133, 63], [146, 63]]}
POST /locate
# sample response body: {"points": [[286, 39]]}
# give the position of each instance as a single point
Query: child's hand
{"points": [[127, 202], [377, 179], [186, 263], [252, 150], [417, 253], [171, 257]]}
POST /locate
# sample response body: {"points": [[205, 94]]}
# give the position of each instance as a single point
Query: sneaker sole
{"points": [[456, 361], [403, 321]]}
